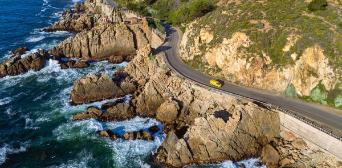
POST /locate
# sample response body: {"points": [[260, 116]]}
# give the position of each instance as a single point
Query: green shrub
{"points": [[318, 5], [191, 10], [319, 94], [290, 91], [152, 57], [338, 101]]}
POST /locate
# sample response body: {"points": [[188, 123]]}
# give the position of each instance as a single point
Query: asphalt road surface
{"points": [[328, 118]]}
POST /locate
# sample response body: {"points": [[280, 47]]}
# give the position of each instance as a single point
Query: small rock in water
{"points": [[92, 112], [146, 135], [103, 133], [154, 129]]}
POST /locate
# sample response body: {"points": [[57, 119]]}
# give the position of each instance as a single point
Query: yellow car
{"points": [[216, 83]]}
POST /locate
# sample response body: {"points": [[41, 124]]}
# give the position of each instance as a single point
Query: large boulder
{"points": [[95, 88], [117, 111], [270, 156], [168, 112]]}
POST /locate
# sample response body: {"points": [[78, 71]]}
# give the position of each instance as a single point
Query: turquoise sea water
{"points": [[35, 116]]}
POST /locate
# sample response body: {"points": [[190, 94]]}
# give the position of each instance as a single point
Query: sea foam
{"points": [[85, 158], [5, 101], [7, 149]]}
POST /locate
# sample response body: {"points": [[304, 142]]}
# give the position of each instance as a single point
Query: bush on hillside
{"points": [[191, 10], [318, 5]]}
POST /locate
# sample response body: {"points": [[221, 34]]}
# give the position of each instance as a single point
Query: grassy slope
{"points": [[323, 27]]}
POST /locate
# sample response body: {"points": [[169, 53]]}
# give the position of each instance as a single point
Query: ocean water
{"points": [[35, 116]]}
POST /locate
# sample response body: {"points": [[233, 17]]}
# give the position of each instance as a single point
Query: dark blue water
{"points": [[35, 116], [20, 22]]}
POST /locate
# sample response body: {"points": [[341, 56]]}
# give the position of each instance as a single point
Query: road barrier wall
{"points": [[311, 134]]}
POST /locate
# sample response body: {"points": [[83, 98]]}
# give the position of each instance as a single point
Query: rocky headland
{"points": [[202, 126]]}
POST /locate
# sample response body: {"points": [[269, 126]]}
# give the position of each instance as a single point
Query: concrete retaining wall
{"points": [[311, 134]]}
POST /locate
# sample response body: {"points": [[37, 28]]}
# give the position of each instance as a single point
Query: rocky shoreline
{"points": [[201, 126]]}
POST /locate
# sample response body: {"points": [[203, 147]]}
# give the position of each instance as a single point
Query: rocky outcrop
{"points": [[289, 150], [92, 112], [144, 134], [74, 64], [233, 129], [234, 135], [84, 16], [107, 41], [17, 65], [114, 111], [117, 111], [102, 34], [73, 21], [99, 87]]}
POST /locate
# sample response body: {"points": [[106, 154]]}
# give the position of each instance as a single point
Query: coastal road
{"points": [[316, 115]]}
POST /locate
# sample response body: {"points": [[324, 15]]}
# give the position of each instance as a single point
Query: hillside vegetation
{"points": [[175, 12], [289, 47]]}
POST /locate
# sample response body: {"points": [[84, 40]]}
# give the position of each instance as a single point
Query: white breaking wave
{"points": [[7, 149], [75, 1], [5, 101], [84, 128], [124, 151], [40, 97], [34, 39]]}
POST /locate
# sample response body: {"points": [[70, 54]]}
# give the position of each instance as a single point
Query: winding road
{"points": [[327, 119]]}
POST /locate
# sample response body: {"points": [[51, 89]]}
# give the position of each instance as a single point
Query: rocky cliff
{"points": [[279, 46], [202, 126], [102, 32], [109, 37]]}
